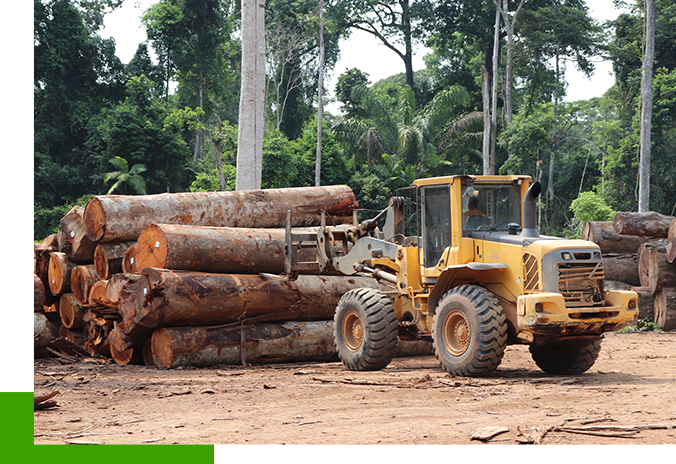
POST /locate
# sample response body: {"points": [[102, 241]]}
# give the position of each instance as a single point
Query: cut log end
{"points": [[152, 248], [70, 311], [162, 348], [95, 219]]}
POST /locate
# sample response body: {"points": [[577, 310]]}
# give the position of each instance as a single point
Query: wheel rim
{"points": [[456, 332], [353, 331]]}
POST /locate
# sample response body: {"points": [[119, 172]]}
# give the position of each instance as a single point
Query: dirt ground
{"points": [[627, 397]]}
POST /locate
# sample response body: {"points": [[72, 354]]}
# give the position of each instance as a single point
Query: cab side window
{"points": [[436, 222]]}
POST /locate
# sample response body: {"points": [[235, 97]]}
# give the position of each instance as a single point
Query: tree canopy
{"points": [[173, 108]]}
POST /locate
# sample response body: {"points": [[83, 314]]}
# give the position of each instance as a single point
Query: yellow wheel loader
{"points": [[469, 271]]}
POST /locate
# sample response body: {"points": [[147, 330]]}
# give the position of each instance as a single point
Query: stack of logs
{"points": [[639, 253], [192, 279]]}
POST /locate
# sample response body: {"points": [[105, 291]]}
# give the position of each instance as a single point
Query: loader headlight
{"points": [[567, 256]]}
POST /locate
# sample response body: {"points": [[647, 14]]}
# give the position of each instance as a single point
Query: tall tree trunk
{"points": [[252, 98], [486, 147], [494, 90], [320, 97], [199, 138], [219, 162], [646, 108], [408, 41], [550, 184], [509, 25]]}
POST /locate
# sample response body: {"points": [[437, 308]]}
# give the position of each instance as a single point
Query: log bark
{"points": [[122, 218], [255, 344], [671, 242], [60, 268], [214, 249], [125, 350], [39, 299], [96, 337], [177, 298], [665, 308], [646, 301], [661, 273], [108, 258], [622, 268], [129, 264], [117, 283], [609, 241], [41, 263], [82, 278], [42, 331], [648, 224], [71, 311], [72, 236]]}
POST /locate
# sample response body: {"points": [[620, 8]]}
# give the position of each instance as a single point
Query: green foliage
{"points": [[279, 170], [588, 206], [90, 108], [643, 325], [334, 169], [125, 176]]}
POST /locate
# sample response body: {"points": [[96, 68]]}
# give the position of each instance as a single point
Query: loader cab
{"points": [[454, 207]]}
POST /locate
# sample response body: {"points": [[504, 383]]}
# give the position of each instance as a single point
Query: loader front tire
{"points": [[469, 332], [366, 330]]}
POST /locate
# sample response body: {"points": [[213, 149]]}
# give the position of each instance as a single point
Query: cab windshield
{"points": [[490, 207]]}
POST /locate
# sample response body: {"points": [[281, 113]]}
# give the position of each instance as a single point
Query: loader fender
{"points": [[451, 274]]}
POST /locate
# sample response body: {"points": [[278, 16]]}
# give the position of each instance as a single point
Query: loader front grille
{"points": [[581, 284]]}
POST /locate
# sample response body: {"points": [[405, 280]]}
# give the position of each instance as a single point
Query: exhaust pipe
{"points": [[530, 211]]}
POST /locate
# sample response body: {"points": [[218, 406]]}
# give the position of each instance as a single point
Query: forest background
{"points": [[166, 121]]}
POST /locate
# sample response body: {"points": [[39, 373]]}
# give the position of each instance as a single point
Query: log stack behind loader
{"points": [[639, 253], [192, 278]]}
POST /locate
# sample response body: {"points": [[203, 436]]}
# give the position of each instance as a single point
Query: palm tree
{"points": [[126, 176], [407, 135]]}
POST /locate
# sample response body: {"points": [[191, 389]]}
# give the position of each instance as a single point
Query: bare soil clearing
{"points": [[630, 391]]}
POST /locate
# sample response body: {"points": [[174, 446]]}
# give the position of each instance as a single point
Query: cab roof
{"points": [[471, 179]]}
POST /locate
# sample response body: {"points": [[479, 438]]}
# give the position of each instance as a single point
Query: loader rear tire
{"points": [[366, 330], [470, 331], [566, 358]]}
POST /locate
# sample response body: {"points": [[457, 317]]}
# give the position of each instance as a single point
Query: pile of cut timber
{"points": [[639, 253], [193, 279]]}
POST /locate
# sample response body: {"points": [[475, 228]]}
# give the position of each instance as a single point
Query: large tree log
{"points": [[42, 331], [609, 241], [655, 271], [622, 268], [175, 298], [72, 237], [122, 218], [82, 279], [108, 258], [648, 224], [671, 242], [214, 249], [665, 308], [38, 295], [60, 268], [256, 343], [41, 253], [646, 301]]}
